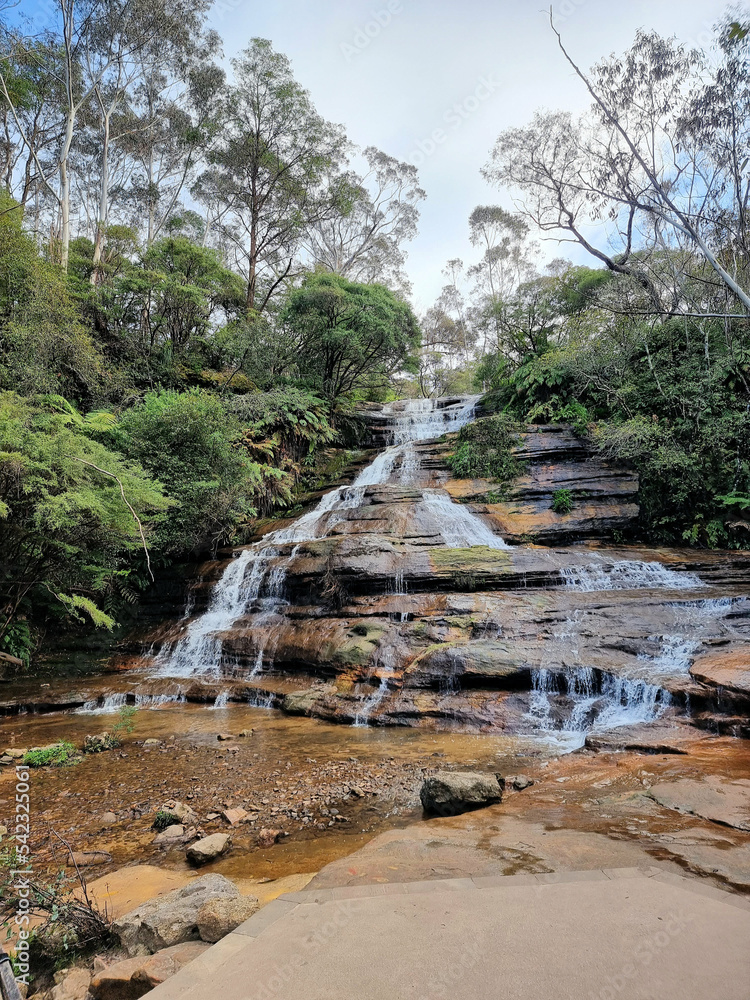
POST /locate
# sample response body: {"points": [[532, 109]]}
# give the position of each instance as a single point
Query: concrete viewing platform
{"points": [[631, 933]]}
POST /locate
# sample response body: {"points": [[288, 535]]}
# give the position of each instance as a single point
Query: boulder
{"points": [[220, 916], [130, 979], [174, 834], [521, 781], [234, 816], [71, 984], [300, 702], [651, 737], [171, 919], [108, 819], [98, 743], [205, 850], [448, 793]]}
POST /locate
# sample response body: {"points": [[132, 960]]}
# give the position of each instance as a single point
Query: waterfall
{"points": [[458, 526], [104, 706], [221, 700], [567, 705], [627, 574], [257, 575], [363, 715]]}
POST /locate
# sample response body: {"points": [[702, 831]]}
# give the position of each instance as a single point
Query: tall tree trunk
{"points": [[103, 204], [65, 191]]}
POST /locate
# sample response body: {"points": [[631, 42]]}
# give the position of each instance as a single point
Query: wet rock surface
{"points": [[724, 802]]}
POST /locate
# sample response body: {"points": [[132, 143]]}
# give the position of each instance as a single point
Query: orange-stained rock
{"points": [[133, 977], [725, 667]]}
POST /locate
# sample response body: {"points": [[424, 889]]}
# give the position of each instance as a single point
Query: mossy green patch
{"points": [[473, 558]]}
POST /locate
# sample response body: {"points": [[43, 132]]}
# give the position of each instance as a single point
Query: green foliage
{"points": [[189, 440], [44, 346], [18, 641], [126, 721], [562, 501], [485, 450], [65, 529], [741, 500], [56, 755], [163, 819], [351, 336]]}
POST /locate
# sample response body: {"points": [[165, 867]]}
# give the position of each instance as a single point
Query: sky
{"points": [[394, 71]]}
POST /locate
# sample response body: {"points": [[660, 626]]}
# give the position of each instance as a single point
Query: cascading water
{"points": [[627, 574], [458, 526], [257, 574], [567, 705]]}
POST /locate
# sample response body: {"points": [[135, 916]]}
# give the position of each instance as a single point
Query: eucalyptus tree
{"points": [[372, 216], [96, 44], [656, 165], [266, 170], [175, 105]]}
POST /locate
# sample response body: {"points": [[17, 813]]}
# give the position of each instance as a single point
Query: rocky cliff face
{"points": [[411, 598]]}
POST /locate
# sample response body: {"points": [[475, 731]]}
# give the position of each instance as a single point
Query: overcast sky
{"points": [[391, 84]]}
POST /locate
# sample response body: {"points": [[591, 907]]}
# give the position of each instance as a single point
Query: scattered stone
{"points": [[171, 919], [448, 793], [246, 732], [108, 819], [130, 979], [15, 754], [219, 917], [268, 837], [98, 743], [714, 798], [234, 816], [71, 984], [356, 791], [151, 742], [224, 736], [5, 759], [205, 850], [183, 813], [520, 781], [85, 859]]}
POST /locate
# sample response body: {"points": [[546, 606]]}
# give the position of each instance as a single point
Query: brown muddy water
{"points": [[328, 788]]}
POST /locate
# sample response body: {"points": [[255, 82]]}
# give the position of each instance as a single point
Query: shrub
{"points": [[163, 819], [484, 449], [562, 501], [55, 755]]}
